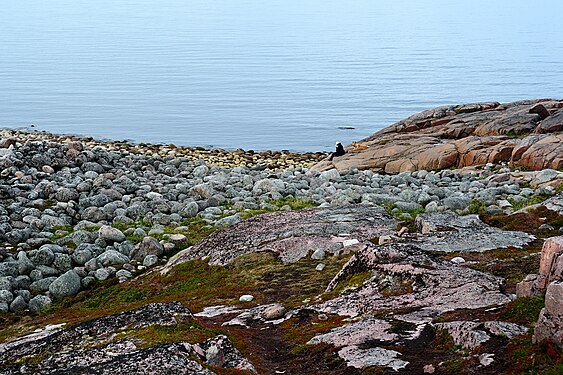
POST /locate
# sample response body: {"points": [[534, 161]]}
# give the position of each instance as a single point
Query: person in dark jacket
{"points": [[339, 151]]}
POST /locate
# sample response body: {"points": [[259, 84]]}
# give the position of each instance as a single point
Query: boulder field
{"points": [[525, 134], [118, 258]]}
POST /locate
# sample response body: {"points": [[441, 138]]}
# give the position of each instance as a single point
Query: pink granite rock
{"points": [[551, 250], [521, 133], [550, 322]]}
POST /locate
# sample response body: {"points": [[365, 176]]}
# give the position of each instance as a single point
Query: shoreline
{"points": [[273, 160]]}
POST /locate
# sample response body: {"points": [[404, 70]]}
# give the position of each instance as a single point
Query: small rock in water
{"points": [[246, 298], [457, 260]]}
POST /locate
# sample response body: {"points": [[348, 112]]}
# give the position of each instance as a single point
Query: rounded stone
{"points": [[88, 281], [123, 274], [102, 274], [274, 312], [111, 234], [6, 296], [68, 284], [18, 304], [110, 257], [150, 260], [246, 298], [39, 302]]}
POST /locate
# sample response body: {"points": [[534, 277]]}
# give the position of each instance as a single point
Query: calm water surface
{"points": [[292, 74]]}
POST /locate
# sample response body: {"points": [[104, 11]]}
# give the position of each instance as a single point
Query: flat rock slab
{"points": [[448, 232], [292, 235], [404, 276], [472, 334]]}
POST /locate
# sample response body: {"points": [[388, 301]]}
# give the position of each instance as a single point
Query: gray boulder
{"points": [[18, 304], [6, 296], [39, 302], [111, 234], [82, 256], [110, 257], [94, 214], [150, 260], [62, 262], [67, 284], [102, 274], [7, 283], [228, 221], [25, 266], [65, 194], [9, 269], [149, 246], [456, 203], [42, 256], [42, 285]]}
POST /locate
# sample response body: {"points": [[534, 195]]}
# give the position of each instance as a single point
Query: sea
{"points": [[294, 75]]}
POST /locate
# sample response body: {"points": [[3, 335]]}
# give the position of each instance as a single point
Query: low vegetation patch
{"points": [[525, 310], [527, 358]]}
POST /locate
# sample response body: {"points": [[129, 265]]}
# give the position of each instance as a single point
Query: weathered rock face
{"points": [[292, 235], [88, 348], [521, 133], [550, 280], [551, 269], [550, 322], [403, 275], [449, 232]]}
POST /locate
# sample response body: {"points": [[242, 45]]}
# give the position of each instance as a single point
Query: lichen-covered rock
{"points": [[550, 322], [291, 235], [403, 275], [220, 352], [466, 334], [39, 302], [111, 234], [69, 350], [112, 257], [551, 269], [68, 284], [275, 311], [448, 232], [149, 246]]}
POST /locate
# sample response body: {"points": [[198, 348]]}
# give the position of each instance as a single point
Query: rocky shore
{"points": [[394, 253], [524, 134]]}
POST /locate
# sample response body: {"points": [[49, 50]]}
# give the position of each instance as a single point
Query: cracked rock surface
{"points": [[92, 347]]}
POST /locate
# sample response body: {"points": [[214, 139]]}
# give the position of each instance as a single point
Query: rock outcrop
{"points": [[93, 347], [550, 280], [525, 134], [551, 269], [292, 235]]}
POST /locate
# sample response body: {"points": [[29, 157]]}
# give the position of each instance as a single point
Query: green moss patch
{"points": [[525, 310]]}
